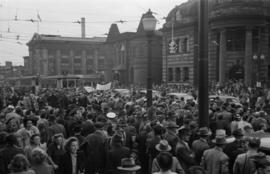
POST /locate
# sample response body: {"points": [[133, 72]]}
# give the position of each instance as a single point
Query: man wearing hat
{"points": [[164, 146], [200, 145], [116, 153], [244, 163], [183, 152], [94, 150], [214, 160], [171, 135], [235, 148], [128, 166], [54, 128]]}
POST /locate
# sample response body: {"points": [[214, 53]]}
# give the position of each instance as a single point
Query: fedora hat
{"points": [[163, 146], [220, 133], [220, 141], [128, 164], [220, 137], [203, 131], [238, 133]]}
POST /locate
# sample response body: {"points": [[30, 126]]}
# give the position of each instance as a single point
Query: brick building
{"points": [[9, 71], [65, 61], [127, 55], [238, 42]]}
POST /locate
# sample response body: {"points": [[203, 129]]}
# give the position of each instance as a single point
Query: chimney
{"points": [[83, 27]]}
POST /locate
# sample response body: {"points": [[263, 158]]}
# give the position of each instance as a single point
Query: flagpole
{"points": [[38, 26]]}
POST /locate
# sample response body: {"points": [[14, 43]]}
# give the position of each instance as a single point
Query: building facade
{"points": [[9, 71], [127, 55], [238, 42], [65, 61]]}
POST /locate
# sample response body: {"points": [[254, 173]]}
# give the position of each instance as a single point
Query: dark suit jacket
{"points": [[184, 155], [6, 155], [65, 166], [232, 150], [95, 151], [172, 139], [114, 158]]}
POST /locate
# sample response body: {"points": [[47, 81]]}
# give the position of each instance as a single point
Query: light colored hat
{"points": [[10, 107], [163, 146], [220, 137], [111, 115], [220, 133], [128, 164]]}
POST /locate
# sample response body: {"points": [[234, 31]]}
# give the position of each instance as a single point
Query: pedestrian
{"points": [[8, 152], [165, 162], [163, 146], [245, 163], [56, 150], [171, 135], [34, 143], [71, 161], [39, 162], [95, 150], [214, 160], [235, 148], [200, 145], [183, 152], [117, 152], [20, 165]]}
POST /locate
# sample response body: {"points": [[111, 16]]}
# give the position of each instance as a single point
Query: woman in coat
{"points": [[39, 162], [20, 165], [71, 161]]}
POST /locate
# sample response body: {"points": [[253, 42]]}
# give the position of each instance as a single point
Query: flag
{"points": [[38, 17]]}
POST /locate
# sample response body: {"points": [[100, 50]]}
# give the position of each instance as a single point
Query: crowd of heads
{"points": [[28, 119]]}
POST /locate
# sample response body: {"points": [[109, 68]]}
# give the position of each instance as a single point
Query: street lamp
{"points": [[258, 59], [149, 25]]}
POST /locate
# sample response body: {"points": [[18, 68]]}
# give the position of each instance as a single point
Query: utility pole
{"points": [[203, 64]]}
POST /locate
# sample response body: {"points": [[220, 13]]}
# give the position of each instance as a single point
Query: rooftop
{"points": [[44, 37]]}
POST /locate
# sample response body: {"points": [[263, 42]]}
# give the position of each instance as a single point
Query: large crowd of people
{"points": [[71, 131]]}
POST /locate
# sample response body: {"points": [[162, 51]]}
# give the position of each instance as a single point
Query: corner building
{"points": [[239, 42]]}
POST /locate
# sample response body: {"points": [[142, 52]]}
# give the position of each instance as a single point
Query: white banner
{"points": [[89, 89], [104, 87]]}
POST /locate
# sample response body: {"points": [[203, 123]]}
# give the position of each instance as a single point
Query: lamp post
{"points": [[149, 25], [258, 59]]}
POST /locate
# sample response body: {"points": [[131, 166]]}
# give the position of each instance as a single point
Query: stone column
{"points": [[59, 83], [58, 62], [222, 57], [84, 62], [248, 57], [45, 61], [38, 59], [31, 62], [95, 60], [71, 54]]}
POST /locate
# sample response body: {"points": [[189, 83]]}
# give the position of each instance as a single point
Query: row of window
{"points": [[175, 74]]}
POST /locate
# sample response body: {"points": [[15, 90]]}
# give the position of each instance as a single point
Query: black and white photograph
{"points": [[134, 86]]}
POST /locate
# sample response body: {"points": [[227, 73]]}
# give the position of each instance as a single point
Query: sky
{"points": [[58, 17]]}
